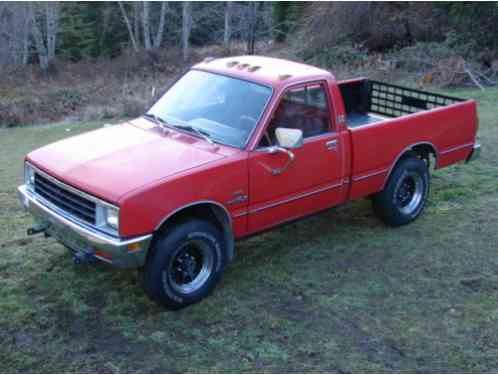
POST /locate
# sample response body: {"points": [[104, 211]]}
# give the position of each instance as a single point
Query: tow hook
{"points": [[81, 258], [37, 229]]}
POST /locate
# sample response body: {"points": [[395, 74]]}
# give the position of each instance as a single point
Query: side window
{"points": [[317, 97], [303, 108]]}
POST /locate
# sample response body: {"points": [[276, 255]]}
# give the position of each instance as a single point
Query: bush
{"points": [[21, 111], [421, 56], [64, 99], [133, 106], [285, 16], [474, 26], [338, 55], [10, 116], [90, 90], [95, 112], [378, 27], [451, 29]]}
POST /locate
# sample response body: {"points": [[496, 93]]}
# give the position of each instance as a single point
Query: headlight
{"points": [[108, 218], [112, 217], [29, 176]]}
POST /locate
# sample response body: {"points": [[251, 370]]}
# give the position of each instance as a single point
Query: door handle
{"points": [[331, 145]]}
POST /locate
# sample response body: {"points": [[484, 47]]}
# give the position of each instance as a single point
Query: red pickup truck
{"points": [[234, 147]]}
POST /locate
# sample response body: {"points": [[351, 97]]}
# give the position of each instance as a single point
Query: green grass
{"points": [[339, 292]]}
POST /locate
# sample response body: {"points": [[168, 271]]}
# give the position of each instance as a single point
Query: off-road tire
{"points": [[158, 276], [411, 175]]}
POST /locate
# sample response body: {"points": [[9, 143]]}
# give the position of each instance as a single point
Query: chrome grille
{"points": [[67, 201]]}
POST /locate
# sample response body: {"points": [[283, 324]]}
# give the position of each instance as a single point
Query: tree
{"points": [[131, 31], [136, 17], [44, 28], [474, 25], [90, 30], [142, 19], [78, 24], [25, 35], [15, 33], [284, 15], [160, 28], [145, 25], [251, 26], [227, 31], [186, 27]]}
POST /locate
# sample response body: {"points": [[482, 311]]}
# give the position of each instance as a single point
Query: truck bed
{"points": [[354, 119], [445, 125], [367, 101]]}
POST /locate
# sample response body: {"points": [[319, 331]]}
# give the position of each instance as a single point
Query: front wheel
{"points": [[185, 265], [404, 196]]}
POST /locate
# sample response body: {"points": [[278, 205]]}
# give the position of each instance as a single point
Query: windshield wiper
{"points": [[163, 124], [156, 119], [202, 133]]}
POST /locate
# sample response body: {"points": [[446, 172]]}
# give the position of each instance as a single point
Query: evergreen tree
{"points": [[285, 15]]}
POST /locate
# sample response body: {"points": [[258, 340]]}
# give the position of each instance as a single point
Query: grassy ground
{"points": [[338, 292]]}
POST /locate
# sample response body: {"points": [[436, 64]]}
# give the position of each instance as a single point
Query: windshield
{"points": [[222, 108]]}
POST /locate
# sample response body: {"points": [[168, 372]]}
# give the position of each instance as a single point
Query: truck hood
{"points": [[115, 160]]}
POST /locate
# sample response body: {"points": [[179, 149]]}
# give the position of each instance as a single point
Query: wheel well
{"points": [[423, 151], [210, 212]]}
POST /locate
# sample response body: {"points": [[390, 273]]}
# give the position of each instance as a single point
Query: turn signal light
{"points": [[134, 247]]}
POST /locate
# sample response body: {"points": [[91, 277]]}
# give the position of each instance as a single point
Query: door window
{"points": [[303, 108]]}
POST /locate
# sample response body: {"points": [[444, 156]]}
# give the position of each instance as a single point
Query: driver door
{"points": [[313, 180]]}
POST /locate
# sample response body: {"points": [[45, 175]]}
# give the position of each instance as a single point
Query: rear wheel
{"points": [[185, 265], [404, 196]]}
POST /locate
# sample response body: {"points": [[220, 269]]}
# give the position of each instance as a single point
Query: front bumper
{"points": [[81, 238], [475, 153]]}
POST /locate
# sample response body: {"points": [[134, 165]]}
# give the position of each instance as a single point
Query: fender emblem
{"points": [[239, 197]]}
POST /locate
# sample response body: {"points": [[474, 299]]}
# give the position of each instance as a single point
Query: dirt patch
{"points": [[17, 242], [378, 349], [480, 284]]}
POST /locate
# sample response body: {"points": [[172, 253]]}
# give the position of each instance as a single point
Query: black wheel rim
{"points": [[190, 267], [409, 193]]}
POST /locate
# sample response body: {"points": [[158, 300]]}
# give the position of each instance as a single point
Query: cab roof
{"points": [[265, 70]]}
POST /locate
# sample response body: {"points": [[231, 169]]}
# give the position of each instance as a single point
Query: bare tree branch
{"points": [[128, 25], [160, 29], [145, 25], [186, 28], [39, 42], [52, 18], [228, 18], [473, 78]]}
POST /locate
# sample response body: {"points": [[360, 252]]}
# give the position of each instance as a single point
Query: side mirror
{"points": [[286, 139], [289, 138]]}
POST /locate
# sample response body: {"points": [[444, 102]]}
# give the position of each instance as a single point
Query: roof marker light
{"points": [[242, 66], [283, 77], [231, 64], [253, 68]]}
